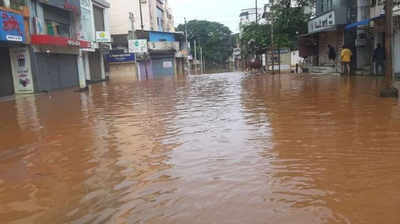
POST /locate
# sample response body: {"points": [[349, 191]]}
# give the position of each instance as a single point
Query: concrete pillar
{"points": [[81, 71], [86, 66], [103, 70]]}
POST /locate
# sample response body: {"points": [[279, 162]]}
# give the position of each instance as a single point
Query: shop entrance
{"points": [[6, 79]]}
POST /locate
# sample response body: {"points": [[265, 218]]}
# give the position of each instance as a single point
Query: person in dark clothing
{"points": [[332, 53], [379, 59]]}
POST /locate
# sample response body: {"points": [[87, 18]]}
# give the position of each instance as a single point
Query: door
{"points": [[6, 78]]}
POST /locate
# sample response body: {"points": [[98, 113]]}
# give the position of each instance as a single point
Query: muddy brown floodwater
{"points": [[222, 148]]}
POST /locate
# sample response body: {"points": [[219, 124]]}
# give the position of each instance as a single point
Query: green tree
{"points": [[215, 38], [255, 39], [290, 20]]}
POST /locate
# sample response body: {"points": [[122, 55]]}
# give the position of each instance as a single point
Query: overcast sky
{"points": [[222, 11]]}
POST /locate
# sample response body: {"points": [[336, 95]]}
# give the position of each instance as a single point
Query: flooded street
{"points": [[222, 148]]}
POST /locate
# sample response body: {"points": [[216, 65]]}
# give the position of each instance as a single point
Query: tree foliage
{"points": [[256, 38], [288, 19], [215, 38]]}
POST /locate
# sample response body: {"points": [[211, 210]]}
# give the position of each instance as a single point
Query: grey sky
{"points": [[222, 11]]}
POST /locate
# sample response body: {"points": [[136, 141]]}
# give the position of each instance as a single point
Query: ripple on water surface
{"points": [[221, 148]]}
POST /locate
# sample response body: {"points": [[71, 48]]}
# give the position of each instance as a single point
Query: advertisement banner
{"points": [[103, 37], [21, 70], [11, 27], [137, 46]]}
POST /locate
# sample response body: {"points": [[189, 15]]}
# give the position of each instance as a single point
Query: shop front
{"points": [[56, 62], [323, 31], [15, 74]]}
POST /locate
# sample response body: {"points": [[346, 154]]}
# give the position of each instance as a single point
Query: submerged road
{"points": [[221, 148]]}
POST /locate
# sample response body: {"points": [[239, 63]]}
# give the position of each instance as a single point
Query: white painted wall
{"points": [[119, 15], [295, 58]]}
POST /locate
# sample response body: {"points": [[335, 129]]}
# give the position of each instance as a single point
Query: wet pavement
{"points": [[222, 148]]}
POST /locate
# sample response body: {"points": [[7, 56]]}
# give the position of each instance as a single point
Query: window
{"points": [[86, 25], [57, 29], [57, 21], [98, 18], [17, 4], [160, 19], [14, 4], [86, 21]]}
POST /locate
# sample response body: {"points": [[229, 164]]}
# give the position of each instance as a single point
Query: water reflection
{"points": [[221, 148]]}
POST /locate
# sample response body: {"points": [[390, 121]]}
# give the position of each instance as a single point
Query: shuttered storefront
{"points": [[95, 66], [56, 71], [6, 78]]}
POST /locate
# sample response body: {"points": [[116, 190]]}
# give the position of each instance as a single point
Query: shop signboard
{"points": [[103, 37], [11, 27], [322, 22], [59, 41], [137, 46], [122, 57], [70, 5], [21, 69]]}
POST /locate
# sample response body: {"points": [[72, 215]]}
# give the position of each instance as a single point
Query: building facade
{"points": [[150, 23], [15, 72], [328, 28], [47, 45], [152, 15]]}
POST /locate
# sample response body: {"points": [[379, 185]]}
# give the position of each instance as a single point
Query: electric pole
{"points": [[388, 89], [132, 19], [141, 14], [272, 37], [201, 60], [187, 47], [256, 12], [195, 57]]}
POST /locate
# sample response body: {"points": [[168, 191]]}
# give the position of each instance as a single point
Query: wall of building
{"points": [[119, 16]]}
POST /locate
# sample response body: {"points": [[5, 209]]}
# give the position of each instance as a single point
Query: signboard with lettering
{"points": [[123, 57], [321, 23], [21, 69], [70, 5], [59, 41], [137, 46], [103, 37], [11, 27]]}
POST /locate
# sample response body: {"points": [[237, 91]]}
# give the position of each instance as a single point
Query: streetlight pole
{"points": [[388, 89]]}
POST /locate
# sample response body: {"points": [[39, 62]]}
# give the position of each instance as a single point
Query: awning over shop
{"points": [[360, 23]]}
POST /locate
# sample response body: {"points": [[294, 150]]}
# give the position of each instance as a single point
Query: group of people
{"points": [[346, 57]]}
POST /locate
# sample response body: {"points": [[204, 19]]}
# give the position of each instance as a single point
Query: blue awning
{"points": [[360, 23]]}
